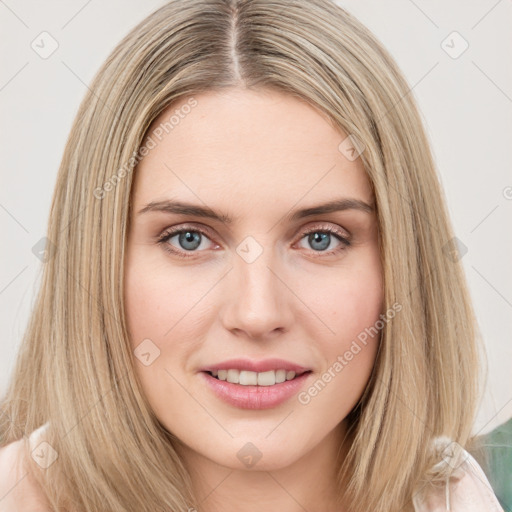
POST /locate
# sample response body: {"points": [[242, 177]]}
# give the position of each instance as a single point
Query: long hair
{"points": [[75, 368]]}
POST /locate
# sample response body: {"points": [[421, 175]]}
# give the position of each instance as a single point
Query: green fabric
{"points": [[497, 448]]}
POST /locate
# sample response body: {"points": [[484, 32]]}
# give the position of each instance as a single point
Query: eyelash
{"points": [[168, 234]]}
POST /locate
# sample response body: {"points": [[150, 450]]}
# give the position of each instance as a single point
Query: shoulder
{"points": [[18, 493], [467, 490]]}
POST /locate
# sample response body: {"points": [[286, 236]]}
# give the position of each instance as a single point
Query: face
{"points": [[249, 273]]}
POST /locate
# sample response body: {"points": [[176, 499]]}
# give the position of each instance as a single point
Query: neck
{"points": [[309, 483]]}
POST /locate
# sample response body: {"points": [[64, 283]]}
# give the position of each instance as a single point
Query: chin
{"points": [[253, 453]]}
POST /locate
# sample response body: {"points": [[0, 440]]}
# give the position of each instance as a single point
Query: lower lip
{"points": [[255, 397]]}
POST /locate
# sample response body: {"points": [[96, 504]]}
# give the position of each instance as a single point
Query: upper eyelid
{"points": [[313, 225]]}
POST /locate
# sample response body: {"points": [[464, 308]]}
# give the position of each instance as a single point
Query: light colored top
{"points": [[18, 492], [467, 490]]}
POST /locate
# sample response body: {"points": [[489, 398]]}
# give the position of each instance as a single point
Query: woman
{"points": [[254, 301]]}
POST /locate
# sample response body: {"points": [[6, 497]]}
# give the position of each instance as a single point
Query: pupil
{"points": [[323, 238], [190, 237]]}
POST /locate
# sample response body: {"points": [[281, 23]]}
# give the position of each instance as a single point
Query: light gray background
{"points": [[466, 103]]}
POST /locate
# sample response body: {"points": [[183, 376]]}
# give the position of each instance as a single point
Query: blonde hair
{"points": [[75, 367]]}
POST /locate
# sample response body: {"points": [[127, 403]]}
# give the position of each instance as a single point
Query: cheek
{"points": [[356, 306], [144, 306], [352, 315], [153, 308], [358, 338], [349, 354], [156, 298], [347, 301], [162, 304]]}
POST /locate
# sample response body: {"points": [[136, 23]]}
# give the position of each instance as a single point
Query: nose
{"points": [[259, 302]]}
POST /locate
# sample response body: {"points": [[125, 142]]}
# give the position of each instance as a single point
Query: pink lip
{"points": [[254, 397], [256, 366]]}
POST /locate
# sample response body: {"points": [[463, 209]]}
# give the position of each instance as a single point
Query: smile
{"points": [[248, 378], [263, 390]]}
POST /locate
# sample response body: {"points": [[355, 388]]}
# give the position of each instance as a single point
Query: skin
{"points": [[19, 491], [256, 156]]}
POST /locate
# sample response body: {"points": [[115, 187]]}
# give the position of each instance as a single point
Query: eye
{"points": [[193, 239], [320, 238], [189, 239]]}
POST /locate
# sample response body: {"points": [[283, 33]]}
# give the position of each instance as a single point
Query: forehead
{"points": [[246, 147]]}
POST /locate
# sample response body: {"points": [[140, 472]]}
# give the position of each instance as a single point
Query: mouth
{"points": [[250, 378], [255, 390]]}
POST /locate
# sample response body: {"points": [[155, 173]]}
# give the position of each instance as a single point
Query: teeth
{"points": [[290, 375], [280, 376], [267, 378], [247, 378], [233, 376]]}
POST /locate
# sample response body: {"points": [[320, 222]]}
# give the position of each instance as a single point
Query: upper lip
{"points": [[256, 366]]}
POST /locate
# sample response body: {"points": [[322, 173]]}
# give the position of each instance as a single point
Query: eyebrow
{"points": [[183, 208]]}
